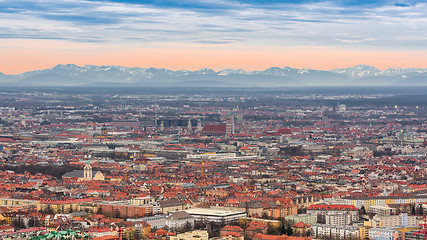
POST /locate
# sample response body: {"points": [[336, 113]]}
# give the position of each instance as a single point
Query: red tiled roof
{"points": [[267, 237], [214, 128], [110, 237], [6, 140], [333, 207], [300, 225], [234, 234], [232, 228], [285, 131]]}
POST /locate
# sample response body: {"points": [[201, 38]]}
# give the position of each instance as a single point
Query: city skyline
{"points": [[251, 35]]}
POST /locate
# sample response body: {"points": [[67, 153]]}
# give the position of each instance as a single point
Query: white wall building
{"points": [[338, 232], [215, 215], [180, 220], [339, 219]]}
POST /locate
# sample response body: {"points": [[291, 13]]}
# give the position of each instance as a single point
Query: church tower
{"points": [[189, 126], [87, 172], [162, 126], [104, 131], [229, 126]]}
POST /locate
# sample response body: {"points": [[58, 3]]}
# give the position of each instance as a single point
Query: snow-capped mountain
{"points": [[231, 71], [358, 71], [91, 75]]}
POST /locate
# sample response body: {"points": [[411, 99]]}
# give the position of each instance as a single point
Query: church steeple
{"points": [[104, 131], [87, 171]]}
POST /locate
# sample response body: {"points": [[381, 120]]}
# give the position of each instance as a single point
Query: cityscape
{"points": [[213, 120], [212, 163]]}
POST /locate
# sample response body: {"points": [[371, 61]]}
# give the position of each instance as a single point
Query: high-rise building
{"points": [[230, 124], [189, 126]]}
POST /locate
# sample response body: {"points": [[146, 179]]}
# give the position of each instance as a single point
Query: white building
{"points": [[381, 210], [193, 235], [215, 215], [339, 219], [337, 232], [401, 220], [156, 222], [326, 209], [309, 219], [180, 220], [385, 233]]}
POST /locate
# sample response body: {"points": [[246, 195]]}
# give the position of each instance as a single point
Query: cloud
{"points": [[277, 23]]}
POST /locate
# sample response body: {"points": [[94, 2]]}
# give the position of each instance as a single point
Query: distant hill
{"points": [[89, 75]]}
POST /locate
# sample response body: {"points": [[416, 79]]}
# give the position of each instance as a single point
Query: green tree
{"points": [[413, 211], [289, 230], [362, 210]]}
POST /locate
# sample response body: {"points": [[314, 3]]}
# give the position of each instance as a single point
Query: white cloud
{"points": [[320, 24]]}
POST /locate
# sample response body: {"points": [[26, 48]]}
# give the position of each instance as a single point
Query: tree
{"points": [[31, 222], [187, 226], [116, 213], [413, 209], [271, 230], [362, 211], [289, 230], [419, 210], [18, 223], [302, 210]]}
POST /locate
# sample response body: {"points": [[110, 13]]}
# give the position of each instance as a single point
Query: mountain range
{"points": [[115, 76]]}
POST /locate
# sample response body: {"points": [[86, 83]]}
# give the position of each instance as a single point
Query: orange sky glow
{"points": [[24, 55]]}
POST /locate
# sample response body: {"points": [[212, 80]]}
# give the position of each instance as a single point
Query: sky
{"points": [[218, 34]]}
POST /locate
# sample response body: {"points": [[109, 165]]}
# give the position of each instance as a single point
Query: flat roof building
{"points": [[215, 215]]}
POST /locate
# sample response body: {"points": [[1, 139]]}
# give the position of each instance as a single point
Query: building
{"points": [[226, 230], [19, 204], [301, 229], [87, 174], [214, 130], [146, 201], [401, 220], [171, 205], [272, 223], [193, 235], [283, 211], [305, 201], [156, 222], [367, 202], [386, 233], [65, 206], [229, 126], [338, 219], [325, 209], [123, 209], [381, 210], [337, 232], [180, 220], [213, 215], [305, 218]]}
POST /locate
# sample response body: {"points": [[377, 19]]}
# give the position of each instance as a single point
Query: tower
{"points": [[325, 120], [199, 125], [87, 171], [162, 126], [104, 131], [189, 126], [229, 128]]}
